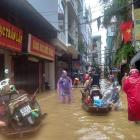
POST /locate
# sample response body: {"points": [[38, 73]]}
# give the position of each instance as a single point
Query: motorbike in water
{"points": [[19, 112]]}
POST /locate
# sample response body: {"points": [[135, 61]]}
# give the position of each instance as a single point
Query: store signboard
{"points": [[40, 48], [137, 30], [137, 14], [137, 24], [11, 37]]}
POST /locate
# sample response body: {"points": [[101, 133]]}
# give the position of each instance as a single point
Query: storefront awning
{"points": [[29, 16]]}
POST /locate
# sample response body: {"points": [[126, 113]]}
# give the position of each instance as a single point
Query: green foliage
{"points": [[121, 10], [118, 9], [124, 53]]}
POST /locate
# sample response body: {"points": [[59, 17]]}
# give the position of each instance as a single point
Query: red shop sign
{"points": [[10, 36], [40, 48]]}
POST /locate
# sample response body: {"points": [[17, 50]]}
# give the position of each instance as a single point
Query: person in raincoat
{"points": [[131, 86], [95, 78], [64, 87]]}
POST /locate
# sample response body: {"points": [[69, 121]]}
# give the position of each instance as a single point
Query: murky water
{"points": [[71, 122]]}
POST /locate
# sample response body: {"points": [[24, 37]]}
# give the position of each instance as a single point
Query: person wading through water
{"points": [[131, 86], [64, 87]]}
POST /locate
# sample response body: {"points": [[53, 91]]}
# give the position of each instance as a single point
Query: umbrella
{"points": [[135, 61]]}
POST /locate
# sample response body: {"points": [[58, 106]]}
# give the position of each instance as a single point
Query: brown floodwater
{"points": [[71, 122]]}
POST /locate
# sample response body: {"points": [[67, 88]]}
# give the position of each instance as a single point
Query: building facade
{"points": [[85, 36], [45, 40], [65, 16], [24, 45], [96, 50], [111, 45]]}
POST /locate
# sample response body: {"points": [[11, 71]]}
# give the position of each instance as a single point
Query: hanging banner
{"points": [[40, 48], [10, 36]]}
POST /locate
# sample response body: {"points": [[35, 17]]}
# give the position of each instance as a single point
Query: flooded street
{"points": [[71, 122], [55, 45]]}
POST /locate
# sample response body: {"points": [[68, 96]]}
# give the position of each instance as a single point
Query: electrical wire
{"points": [[95, 19], [115, 11]]}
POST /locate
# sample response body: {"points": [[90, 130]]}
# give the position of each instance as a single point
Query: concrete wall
{"points": [[48, 9]]}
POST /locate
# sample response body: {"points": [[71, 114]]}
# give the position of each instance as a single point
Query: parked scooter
{"points": [[19, 113]]}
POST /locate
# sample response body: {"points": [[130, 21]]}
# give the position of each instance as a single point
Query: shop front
{"points": [[35, 68], [10, 43], [1, 66], [26, 73]]}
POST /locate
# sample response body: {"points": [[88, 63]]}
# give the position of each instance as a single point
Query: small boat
{"points": [[92, 102], [95, 109]]}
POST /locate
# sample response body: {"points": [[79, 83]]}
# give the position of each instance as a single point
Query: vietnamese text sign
{"points": [[40, 48], [10, 36]]}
